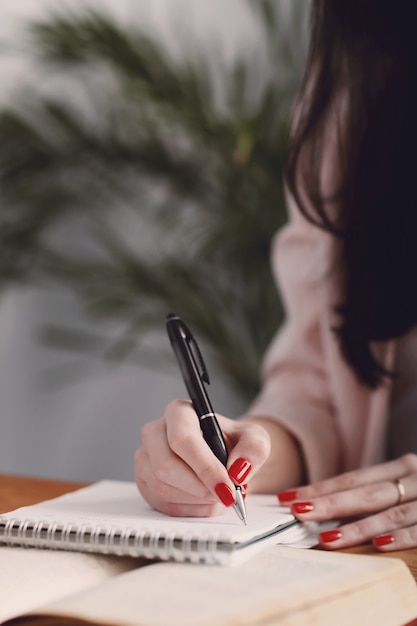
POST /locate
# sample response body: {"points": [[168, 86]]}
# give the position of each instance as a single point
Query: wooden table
{"points": [[16, 491]]}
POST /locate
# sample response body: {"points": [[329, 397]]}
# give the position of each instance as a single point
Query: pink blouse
{"points": [[340, 423]]}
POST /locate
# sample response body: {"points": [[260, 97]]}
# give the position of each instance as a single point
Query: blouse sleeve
{"points": [[296, 391]]}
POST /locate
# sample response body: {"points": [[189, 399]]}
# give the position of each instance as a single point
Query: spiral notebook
{"points": [[110, 517]]}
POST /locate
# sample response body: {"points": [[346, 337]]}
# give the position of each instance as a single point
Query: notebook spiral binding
{"points": [[128, 542]]}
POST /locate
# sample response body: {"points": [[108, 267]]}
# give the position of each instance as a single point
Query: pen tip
{"points": [[240, 505]]}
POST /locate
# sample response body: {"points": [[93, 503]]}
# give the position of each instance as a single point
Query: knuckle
{"points": [[409, 536], [410, 461], [346, 481], [397, 515], [357, 532], [262, 443], [253, 443], [337, 484], [173, 405], [162, 491], [372, 497], [179, 442], [147, 431], [163, 471], [207, 473], [176, 405], [329, 505]]}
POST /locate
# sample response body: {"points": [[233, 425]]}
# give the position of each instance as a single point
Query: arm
{"points": [[289, 434]]}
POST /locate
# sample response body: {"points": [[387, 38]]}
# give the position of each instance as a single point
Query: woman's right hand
{"points": [[178, 474]]}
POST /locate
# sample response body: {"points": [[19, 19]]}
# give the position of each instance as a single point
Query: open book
{"points": [[110, 517], [279, 586]]}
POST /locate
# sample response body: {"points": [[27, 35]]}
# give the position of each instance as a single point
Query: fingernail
{"points": [[328, 536], [239, 470], [225, 494], [287, 496], [383, 540], [302, 507]]}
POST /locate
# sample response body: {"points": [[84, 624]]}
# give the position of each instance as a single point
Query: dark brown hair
{"points": [[359, 90]]}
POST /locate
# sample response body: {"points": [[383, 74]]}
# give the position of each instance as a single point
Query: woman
{"points": [[338, 408]]}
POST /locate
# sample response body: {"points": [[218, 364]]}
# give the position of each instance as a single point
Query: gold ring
{"points": [[401, 490]]}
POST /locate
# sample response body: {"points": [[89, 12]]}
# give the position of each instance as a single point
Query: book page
{"points": [[283, 586], [31, 577]]}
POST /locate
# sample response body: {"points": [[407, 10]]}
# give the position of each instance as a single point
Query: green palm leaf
{"points": [[176, 199]]}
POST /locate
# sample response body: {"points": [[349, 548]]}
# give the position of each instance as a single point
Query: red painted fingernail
{"points": [[239, 470], [225, 493], [302, 507], [328, 536], [287, 496], [383, 540]]}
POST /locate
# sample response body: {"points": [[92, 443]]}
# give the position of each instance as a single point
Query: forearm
{"points": [[284, 467]]}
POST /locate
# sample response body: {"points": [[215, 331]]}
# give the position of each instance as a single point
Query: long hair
{"points": [[359, 88]]}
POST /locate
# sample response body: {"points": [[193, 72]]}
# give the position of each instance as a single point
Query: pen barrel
{"points": [[214, 437]]}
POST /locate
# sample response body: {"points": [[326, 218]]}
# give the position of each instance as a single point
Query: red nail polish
{"points": [[225, 494], [328, 536], [383, 540], [287, 496], [302, 507], [239, 470]]}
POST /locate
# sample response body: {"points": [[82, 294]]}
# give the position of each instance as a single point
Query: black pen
{"points": [[195, 375]]}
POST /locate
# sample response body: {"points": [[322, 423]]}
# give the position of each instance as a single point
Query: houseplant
{"points": [[126, 181]]}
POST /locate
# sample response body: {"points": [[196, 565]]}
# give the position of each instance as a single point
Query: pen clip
{"points": [[196, 352]]}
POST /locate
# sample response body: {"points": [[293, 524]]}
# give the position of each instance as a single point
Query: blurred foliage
{"points": [[124, 177]]}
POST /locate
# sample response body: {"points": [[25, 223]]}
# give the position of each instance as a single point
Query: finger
{"points": [[350, 480], [162, 468], [164, 491], [357, 502], [384, 528], [179, 509], [398, 540], [250, 448], [186, 441]]}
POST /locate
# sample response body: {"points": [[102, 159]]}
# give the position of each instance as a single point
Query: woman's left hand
{"points": [[381, 500]]}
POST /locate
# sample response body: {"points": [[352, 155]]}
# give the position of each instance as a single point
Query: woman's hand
{"points": [[381, 500], [178, 474]]}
